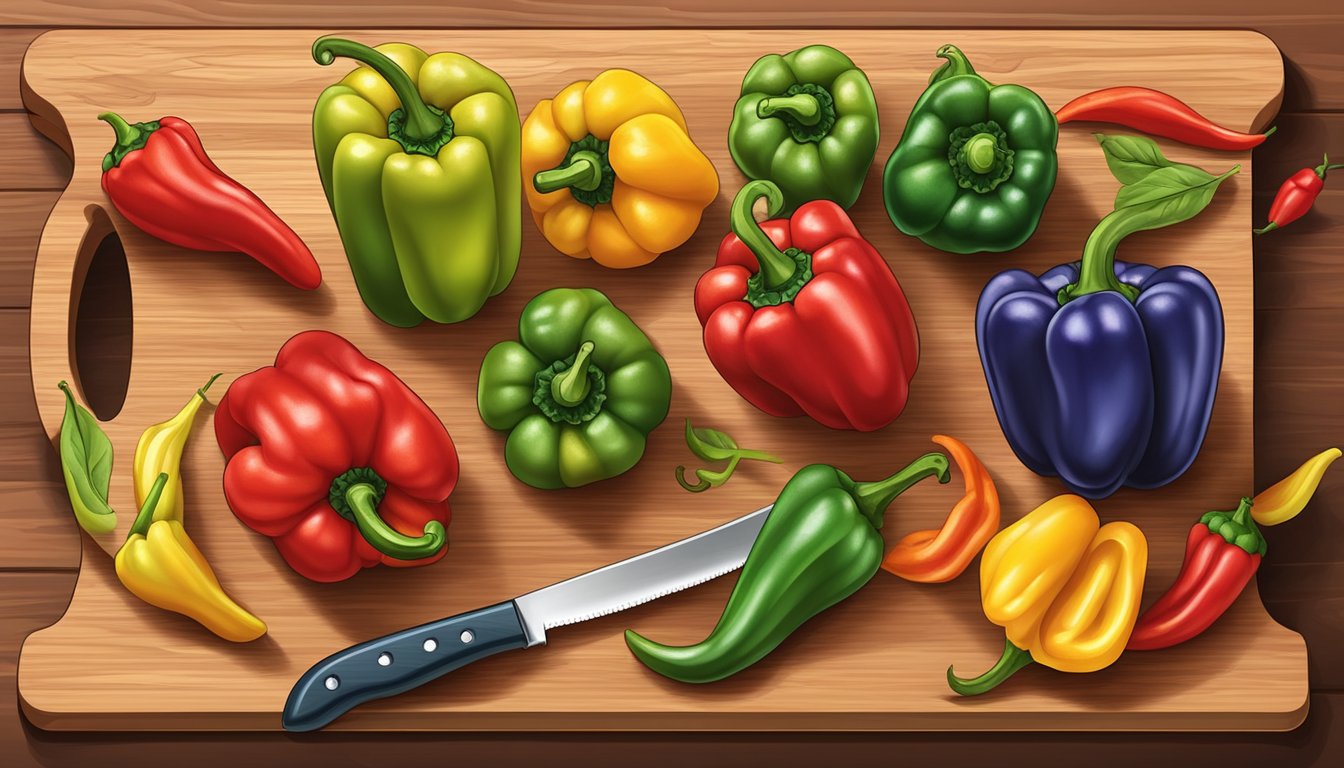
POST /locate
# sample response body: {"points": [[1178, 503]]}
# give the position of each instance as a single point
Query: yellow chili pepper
{"points": [[1282, 501], [160, 565], [611, 173], [160, 451], [1065, 589]]}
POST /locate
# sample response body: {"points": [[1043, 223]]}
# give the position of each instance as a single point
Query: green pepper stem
{"points": [[979, 152], [363, 499], [584, 171], [874, 498], [206, 388], [1013, 659], [126, 133], [146, 516], [422, 124], [800, 106], [1270, 227], [956, 64], [571, 386], [1325, 166], [776, 267]]}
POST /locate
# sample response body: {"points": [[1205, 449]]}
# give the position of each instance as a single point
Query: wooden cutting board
{"points": [[876, 662]]}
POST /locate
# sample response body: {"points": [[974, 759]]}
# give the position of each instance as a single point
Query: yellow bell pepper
{"points": [[1065, 589], [1283, 500], [611, 173], [161, 565], [160, 451]]}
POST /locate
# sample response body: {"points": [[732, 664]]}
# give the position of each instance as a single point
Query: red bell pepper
{"points": [[159, 177], [330, 454], [803, 316]]}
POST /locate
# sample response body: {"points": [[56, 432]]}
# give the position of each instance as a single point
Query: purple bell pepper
{"points": [[1105, 380]]}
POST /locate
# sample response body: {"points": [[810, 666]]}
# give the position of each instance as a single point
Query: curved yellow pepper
{"points": [[1283, 500], [1065, 589], [611, 173], [160, 451], [161, 565]]}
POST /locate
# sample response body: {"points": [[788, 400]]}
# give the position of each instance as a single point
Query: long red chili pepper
{"points": [[1157, 114], [1222, 553], [1297, 195], [159, 177]]}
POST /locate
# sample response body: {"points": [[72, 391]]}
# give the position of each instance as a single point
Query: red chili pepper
{"points": [[1157, 114], [1222, 553], [330, 454], [802, 315], [159, 177], [1297, 195]]}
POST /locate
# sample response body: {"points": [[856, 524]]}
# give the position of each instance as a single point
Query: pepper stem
{"points": [[206, 388], [126, 133], [1013, 659], [1325, 166], [956, 64], [584, 171], [422, 123], [776, 267], [363, 500], [571, 387], [800, 106], [146, 515], [979, 152], [874, 498], [1270, 227]]}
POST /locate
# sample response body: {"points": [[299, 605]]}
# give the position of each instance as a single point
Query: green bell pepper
{"points": [[579, 391], [807, 121], [419, 158], [975, 165]]}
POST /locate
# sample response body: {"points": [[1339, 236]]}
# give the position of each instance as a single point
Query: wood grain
{"points": [[508, 539], [18, 245]]}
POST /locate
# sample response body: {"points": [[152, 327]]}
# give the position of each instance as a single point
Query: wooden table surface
{"points": [[1299, 372]]}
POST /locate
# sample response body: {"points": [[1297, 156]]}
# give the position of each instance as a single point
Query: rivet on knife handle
{"points": [[398, 662]]}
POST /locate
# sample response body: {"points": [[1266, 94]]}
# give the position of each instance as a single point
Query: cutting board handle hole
{"points": [[100, 317]]}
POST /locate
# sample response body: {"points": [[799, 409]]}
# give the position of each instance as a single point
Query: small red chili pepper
{"points": [[1222, 553], [159, 177], [1157, 114], [1297, 195]]}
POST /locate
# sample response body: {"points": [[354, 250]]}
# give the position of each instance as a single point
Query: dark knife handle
{"points": [[398, 662]]}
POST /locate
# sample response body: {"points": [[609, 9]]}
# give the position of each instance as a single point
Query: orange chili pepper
{"points": [[936, 556]]}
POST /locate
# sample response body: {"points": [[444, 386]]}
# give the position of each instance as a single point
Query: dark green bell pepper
{"points": [[806, 121], [579, 391], [975, 165]]}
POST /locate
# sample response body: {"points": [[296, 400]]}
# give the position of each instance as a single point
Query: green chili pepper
{"points": [[420, 163], [818, 546], [975, 165], [579, 391], [86, 463], [715, 445], [807, 121]]}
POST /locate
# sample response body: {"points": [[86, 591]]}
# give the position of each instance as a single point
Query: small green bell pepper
{"points": [[419, 158], [579, 391], [975, 165], [807, 121]]}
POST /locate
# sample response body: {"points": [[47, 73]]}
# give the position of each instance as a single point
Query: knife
{"points": [[398, 662]]}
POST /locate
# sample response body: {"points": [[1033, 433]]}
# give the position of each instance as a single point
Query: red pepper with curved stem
{"points": [[1222, 553], [159, 177], [331, 455], [803, 316], [1157, 114], [1297, 195]]}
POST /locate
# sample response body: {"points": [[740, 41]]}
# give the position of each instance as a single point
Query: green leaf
{"points": [[710, 444], [713, 445], [1131, 158], [86, 463], [1170, 195]]}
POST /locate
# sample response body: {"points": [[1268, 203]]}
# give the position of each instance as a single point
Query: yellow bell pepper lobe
{"points": [[611, 173], [1283, 500]]}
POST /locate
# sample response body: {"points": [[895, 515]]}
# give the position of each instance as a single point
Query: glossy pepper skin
{"points": [[578, 393], [819, 545], [806, 121], [159, 177], [331, 455], [160, 451], [611, 173], [976, 164], [161, 565], [1285, 499], [1297, 195], [1113, 388], [1065, 589], [1222, 553], [418, 156], [803, 316]]}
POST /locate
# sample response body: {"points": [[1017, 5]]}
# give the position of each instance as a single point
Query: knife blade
{"points": [[403, 660]]}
